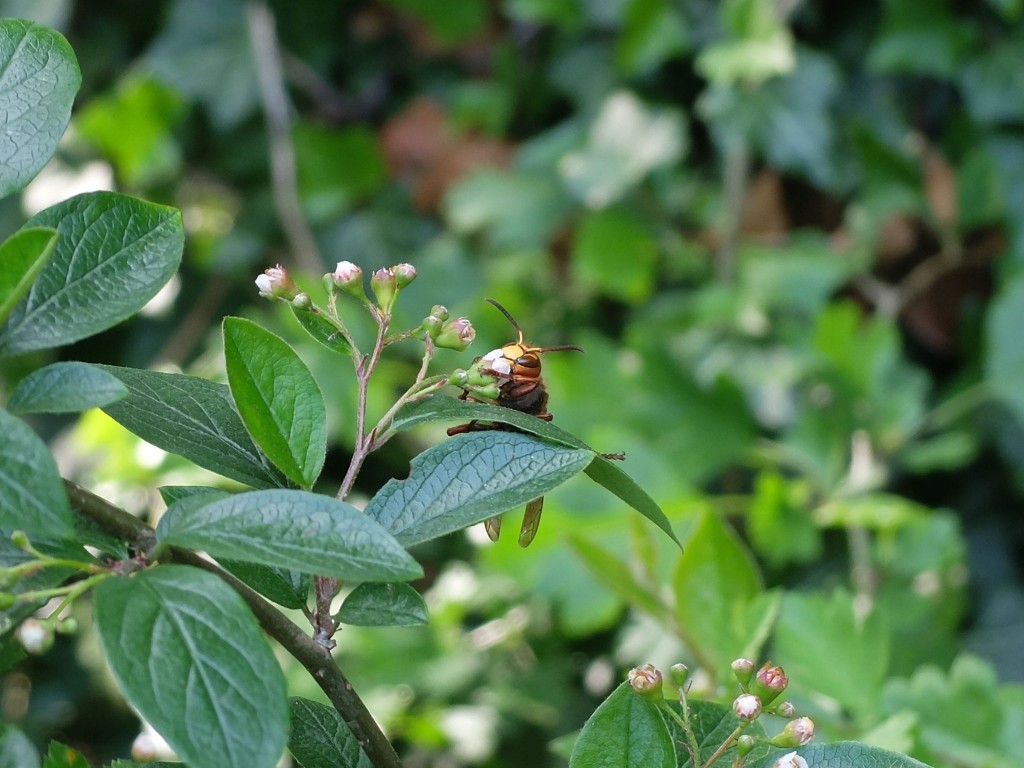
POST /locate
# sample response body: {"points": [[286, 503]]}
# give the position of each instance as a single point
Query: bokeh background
{"points": [[788, 235]]}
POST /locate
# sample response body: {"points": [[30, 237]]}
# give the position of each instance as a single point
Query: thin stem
{"points": [[684, 722], [737, 168], [283, 173], [727, 744], [312, 656]]}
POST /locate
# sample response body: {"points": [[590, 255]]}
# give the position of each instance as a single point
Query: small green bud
{"points": [[68, 626], [796, 733], [459, 377], [276, 283], [385, 288], [743, 670], [404, 274], [456, 334], [679, 674], [347, 277], [646, 680], [302, 301], [489, 391], [785, 709], [744, 744], [20, 540], [439, 311]]}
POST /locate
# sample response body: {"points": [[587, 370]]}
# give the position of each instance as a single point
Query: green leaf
{"points": [[296, 530], [965, 714], [320, 738], [716, 583], [321, 329], [653, 31], [204, 52], [1004, 354], [277, 398], [133, 125], [470, 478], [62, 756], [625, 731], [843, 754], [618, 576], [383, 605], [67, 387], [615, 251], [828, 649], [189, 655], [16, 749], [336, 168], [439, 408], [113, 254], [38, 86], [285, 587], [194, 418], [22, 256], [32, 497]]}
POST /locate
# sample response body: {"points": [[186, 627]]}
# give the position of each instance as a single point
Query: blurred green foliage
{"points": [[788, 236]]}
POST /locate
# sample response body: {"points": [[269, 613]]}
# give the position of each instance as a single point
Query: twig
{"points": [[312, 656], [266, 52], [737, 168]]}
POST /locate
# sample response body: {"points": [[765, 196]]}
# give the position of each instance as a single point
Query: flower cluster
{"points": [[760, 689]]}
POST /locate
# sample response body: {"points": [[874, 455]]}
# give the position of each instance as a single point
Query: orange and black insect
{"points": [[516, 366]]}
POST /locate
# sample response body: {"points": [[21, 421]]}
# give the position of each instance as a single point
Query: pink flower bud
{"points": [[646, 680], [404, 274], [796, 733], [785, 709], [770, 682], [347, 277], [456, 334], [276, 283], [385, 288], [747, 706]]}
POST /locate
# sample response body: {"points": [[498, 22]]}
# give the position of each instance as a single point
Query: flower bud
{"points": [[790, 760], [20, 539], [646, 680], [488, 391], [434, 321], [34, 636], [459, 377], [404, 274], [347, 277], [743, 670], [747, 706], [796, 733], [302, 301], [769, 683], [456, 334], [679, 674], [744, 744], [385, 288], [276, 283], [785, 709], [67, 626]]}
